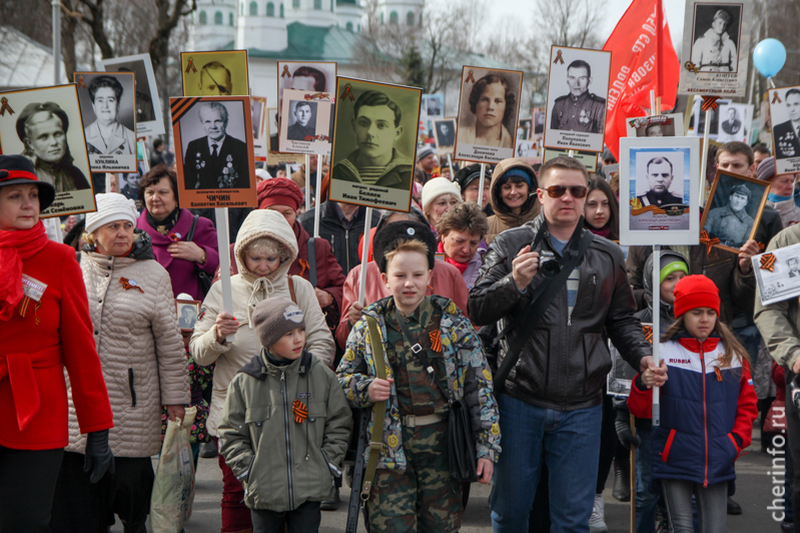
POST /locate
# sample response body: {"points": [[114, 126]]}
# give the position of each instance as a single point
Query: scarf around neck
{"points": [[15, 247], [166, 225]]}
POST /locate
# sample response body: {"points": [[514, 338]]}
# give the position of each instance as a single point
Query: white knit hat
{"points": [[437, 187], [110, 207]]}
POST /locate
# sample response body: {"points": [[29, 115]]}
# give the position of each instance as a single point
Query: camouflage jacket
{"points": [[468, 376]]}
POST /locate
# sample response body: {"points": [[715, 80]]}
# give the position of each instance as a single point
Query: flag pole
{"points": [[659, 48]]}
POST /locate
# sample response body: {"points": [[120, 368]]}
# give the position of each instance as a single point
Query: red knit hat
{"points": [[695, 291], [279, 191]]}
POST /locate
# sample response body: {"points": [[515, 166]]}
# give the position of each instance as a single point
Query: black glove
{"points": [[99, 458], [624, 433]]}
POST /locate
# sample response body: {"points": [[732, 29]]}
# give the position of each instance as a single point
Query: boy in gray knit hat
{"points": [[283, 402]]}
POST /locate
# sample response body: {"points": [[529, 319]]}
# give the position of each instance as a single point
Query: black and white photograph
{"points": [[374, 144], [734, 122], [312, 77], [698, 121], [656, 126], [525, 148], [733, 210], [187, 311], [215, 73], [148, 106], [272, 133], [128, 184], [107, 107], [45, 125], [305, 122], [214, 150], [778, 274], [716, 40], [784, 108], [538, 118], [444, 131], [659, 201], [431, 109], [487, 114], [258, 111], [576, 99]]}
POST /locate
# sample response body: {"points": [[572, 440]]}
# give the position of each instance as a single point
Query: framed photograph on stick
{"points": [[312, 77], [733, 210], [444, 131], [487, 114], [274, 156], [659, 200], [148, 105], [45, 125], [656, 126], [307, 121], [187, 311], [784, 110], [374, 144], [214, 151], [716, 37], [576, 99], [218, 73], [108, 108]]}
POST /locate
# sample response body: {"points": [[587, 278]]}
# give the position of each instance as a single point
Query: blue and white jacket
{"points": [[707, 412]]}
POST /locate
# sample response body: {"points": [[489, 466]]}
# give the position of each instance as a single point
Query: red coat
{"points": [[62, 338]]}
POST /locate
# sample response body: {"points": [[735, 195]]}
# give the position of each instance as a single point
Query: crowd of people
{"points": [[505, 301]]}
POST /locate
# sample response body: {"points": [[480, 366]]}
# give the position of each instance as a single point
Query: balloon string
{"points": [[771, 83]]}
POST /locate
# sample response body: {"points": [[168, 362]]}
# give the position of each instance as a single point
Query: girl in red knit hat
{"points": [[707, 408]]}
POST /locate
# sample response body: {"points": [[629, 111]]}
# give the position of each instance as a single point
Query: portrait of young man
{"points": [[580, 110], [303, 122], [659, 178], [731, 222], [787, 134], [714, 49], [216, 160]]}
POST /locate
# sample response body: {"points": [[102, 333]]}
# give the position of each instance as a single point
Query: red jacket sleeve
{"points": [[640, 402], [329, 272], [79, 352], [747, 409]]}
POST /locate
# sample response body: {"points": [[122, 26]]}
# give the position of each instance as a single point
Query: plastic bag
{"points": [[173, 489]]}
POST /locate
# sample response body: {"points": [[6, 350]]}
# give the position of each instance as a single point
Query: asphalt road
{"points": [[754, 494]]}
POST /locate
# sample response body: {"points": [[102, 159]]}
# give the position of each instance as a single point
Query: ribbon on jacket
{"points": [[19, 368], [709, 242]]}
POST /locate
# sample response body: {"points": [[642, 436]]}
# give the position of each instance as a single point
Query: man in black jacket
{"points": [[551, 405]]}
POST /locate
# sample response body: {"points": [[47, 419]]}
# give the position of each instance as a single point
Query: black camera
{"points": [[795, 388], [548, 264]]}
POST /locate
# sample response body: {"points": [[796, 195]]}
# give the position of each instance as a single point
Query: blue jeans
{"points": [[646, 499], [750, 338], [711, 501], [568, 442]]}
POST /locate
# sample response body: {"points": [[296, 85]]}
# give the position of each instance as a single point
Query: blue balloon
{"points": [[769, 57]]}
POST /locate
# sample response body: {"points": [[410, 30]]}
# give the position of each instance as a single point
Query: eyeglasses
{"points": [[557, 191]]}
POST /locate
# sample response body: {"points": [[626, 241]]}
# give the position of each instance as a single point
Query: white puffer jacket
{"points": [[140, 347], [247, 292]]}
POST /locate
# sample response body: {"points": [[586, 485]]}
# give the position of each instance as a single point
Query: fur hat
{"points": [[279, 191], [18, 170], [695, 291], [275, 317], [393, 234], [437, 187], [111, 206]]}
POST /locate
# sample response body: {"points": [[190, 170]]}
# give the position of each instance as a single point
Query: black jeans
{"points": [[793, 444], [304, 519], [27, 483]]}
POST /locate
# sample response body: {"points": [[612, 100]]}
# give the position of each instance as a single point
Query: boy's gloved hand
{"points": [[624, 433], [99, 458]]}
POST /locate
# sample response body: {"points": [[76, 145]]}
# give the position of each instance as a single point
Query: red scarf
{"points": [[15, 247], [462, 267]]}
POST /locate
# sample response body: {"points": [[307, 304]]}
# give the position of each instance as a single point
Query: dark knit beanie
{"points": [[766, 169], [275, 317], [695, 291], [279, 191], [389, 237]]}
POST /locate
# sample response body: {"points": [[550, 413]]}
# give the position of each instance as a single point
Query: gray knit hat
{"points": [[275, 317]]}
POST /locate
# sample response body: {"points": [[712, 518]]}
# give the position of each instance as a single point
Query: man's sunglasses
{"points": [[557, 191]]}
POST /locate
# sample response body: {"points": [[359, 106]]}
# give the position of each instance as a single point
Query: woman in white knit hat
{"points": [[439, 195], [144, 364]]}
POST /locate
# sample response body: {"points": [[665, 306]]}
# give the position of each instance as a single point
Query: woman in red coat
{"points": [[44, 328]]}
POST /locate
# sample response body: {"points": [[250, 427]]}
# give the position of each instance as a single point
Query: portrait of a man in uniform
{"points": [[786, 135], [659, 178], [580, 110], [732, 125], [217, 160], [731, 223], [714, 49], [303, 126]]}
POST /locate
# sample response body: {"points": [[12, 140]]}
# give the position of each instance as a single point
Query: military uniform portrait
{"points": [[734, 122], [374, 143], [221, 73], [576, 102], [784, 107], [149, 119], [305, 124], [445, 135], [733, 210]]}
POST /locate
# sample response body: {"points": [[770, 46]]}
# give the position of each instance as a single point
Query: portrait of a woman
{"points": [[106, 135], [493, 103]]}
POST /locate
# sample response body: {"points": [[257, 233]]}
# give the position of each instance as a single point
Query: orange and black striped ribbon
{"points": [[286, 73], [436, 340], [776, 97], [709, 102], [26, 303], [768, 262], [648, 333], [559, 58], [5, 107], [348, 92], [300, 411], [190, 66], [709, 242], [470, 77]]}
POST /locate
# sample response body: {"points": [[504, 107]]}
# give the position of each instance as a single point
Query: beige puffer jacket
{"points": [[247, 292], [140, 348]]}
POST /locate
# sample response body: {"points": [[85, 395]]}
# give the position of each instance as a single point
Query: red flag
{"points": [[637, 63]]}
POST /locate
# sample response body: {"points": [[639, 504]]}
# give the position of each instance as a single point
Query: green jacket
{"points": [[283, 463]]}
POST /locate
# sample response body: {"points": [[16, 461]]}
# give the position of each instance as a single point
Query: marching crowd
{"points": [[504, 309]]}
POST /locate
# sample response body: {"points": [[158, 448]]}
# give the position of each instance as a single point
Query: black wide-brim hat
{"points": [[391, 235], [18, 170]]}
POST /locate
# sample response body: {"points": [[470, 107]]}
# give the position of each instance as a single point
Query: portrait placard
{"points": [[218, 73], [108, 108], [576, 99], [319, 77], [734, 122], [656, 126], [148, 105], [187, 312], [431, 109], [524, 129], [733, 210], [659, 200], [374, 144], [784, 111], [622, 374], [306, 123], [45, 125], [258, 112], [128, 184], [274, 157], [589, 159], [716, 37], [214, 151], [487, 114], [698, 121], [538, 119], [525, 148], [778, 274], [444, 132]]}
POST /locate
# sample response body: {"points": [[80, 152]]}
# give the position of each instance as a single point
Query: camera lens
{"points": [[550, 268]]}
